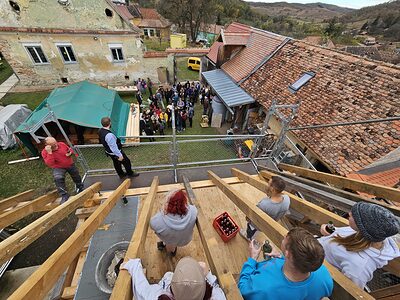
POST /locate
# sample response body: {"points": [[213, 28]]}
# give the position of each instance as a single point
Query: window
{"points": [[306, 77], [108, 12], [151, 32], [145, 32], [191, 61], [67, 53], [158, 32], [64, 80], [15, 6], [36, 53], [116, 52]]}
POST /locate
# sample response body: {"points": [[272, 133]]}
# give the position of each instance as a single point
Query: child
{"points": [[276, 205]]}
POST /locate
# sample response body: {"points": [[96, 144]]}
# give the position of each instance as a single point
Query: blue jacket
{"points": [[265, 280]]}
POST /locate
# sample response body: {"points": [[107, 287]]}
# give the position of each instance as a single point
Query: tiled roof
{"points": [[211, 28], [364, 51], [259, 46], [237, 27], [123, 11], [152, 54], [194, 51], [318, 40], [152, 19], [213, 54], [345, 88], [387, 178], [235, 38]]}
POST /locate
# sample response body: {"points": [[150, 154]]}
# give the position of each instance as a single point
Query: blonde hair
{"points": [[355, 242]]}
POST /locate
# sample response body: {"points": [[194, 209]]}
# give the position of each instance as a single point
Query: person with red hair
{"points": [[174, 223]]}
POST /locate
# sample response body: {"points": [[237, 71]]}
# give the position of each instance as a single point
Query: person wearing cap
{"points": [[174, 223], [364, 246], [191, 280], [299, 275]]}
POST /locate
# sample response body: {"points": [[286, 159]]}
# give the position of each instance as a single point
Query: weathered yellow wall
{"points": [[93, 56], [178, 41], [78, 14]]}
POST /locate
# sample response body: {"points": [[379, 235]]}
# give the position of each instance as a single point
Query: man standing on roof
{"points": [[113, 148], [58, 156]]}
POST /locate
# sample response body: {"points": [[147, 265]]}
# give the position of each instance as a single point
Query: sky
{"points": [[344, 3]]}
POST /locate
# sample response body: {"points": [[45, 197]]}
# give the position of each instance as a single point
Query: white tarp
{"points": [[11, 117]]}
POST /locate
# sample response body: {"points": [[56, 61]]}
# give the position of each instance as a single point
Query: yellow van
{"points": [[194, 63]]}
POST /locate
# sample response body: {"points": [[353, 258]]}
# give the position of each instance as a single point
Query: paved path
{"points": [[7, 85]]}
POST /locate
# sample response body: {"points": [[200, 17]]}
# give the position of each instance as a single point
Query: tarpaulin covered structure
{"points": [[11, 117], [82, 104]]}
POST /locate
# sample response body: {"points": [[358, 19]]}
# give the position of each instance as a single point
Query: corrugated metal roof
{"points": [[226, 89]]}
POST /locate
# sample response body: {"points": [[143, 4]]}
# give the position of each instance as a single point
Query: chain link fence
{"points": [[175, 151]]}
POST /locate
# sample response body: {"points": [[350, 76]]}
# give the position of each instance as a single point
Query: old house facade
{"points": [[74, 40]]}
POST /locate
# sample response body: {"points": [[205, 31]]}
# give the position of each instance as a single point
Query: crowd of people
{"points": [[156, 116]]}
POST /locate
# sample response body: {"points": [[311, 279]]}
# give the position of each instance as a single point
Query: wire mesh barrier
{"points": [[174, 151]]}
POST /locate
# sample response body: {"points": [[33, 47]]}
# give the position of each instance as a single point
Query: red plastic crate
{"points": [[219, 229]]}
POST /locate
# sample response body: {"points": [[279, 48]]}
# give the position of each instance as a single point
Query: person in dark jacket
{"points": [[113, 148]]}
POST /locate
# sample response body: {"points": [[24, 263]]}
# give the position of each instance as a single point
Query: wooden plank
{"points": [[86, 211], [16, 214], [312, 211], [389, 291], [388, 193], [213, 252], [69, 292], [27, 235], [344, 287], [123, 288], [335, 191], [14, 200], [165, 188], [44, 278]]}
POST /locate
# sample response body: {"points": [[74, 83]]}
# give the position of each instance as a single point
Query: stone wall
{"points": [[94, 59]]}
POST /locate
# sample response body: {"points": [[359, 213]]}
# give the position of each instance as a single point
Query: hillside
{"points": [[379, 20], [316, 12]]}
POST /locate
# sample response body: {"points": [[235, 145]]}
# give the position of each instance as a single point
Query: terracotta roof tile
{"points": [[213, 54], [151, 18], [260, 45], [235, 38], [345, 88], [123, 11]]}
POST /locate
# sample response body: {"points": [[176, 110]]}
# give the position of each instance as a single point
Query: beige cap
{"points": [[188, 282]]}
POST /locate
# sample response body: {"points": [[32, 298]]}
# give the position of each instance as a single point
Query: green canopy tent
{"points": [[83, 104]]}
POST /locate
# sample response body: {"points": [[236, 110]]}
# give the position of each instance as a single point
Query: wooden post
{"points": [[44, 278], [213, 252], [11, 216], [123, 287], [347, 183], [27, 235], [344, 288], [13, 200]]}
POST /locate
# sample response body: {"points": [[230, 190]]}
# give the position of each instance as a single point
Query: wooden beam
{"points": [[389, 291], [335, 191], [388, 193], [123, 288], [43, 279], [27, 235], [16, 214], [343, 289], [14, 200], [213, 252], [308, 209], [85, 212], [313, 193], [165, 188]]}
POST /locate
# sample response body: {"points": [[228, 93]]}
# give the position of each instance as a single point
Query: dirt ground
{"points": [[41, 249]]}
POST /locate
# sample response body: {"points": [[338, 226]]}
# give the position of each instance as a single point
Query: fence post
{"points": [[174, 145]]}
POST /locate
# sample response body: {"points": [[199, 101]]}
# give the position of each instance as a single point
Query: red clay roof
{"points": [[260, 45], [235, 38], [387, 178], [152, 54], [238, 27], [345, 88], [213, 54], [123, 11], [152, 19]]}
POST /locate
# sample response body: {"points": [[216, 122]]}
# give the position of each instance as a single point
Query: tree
{"points": [[334, 28], [189, 14]]}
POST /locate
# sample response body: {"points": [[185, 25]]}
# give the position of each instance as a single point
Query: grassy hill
{"points": [[314, 12]]}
